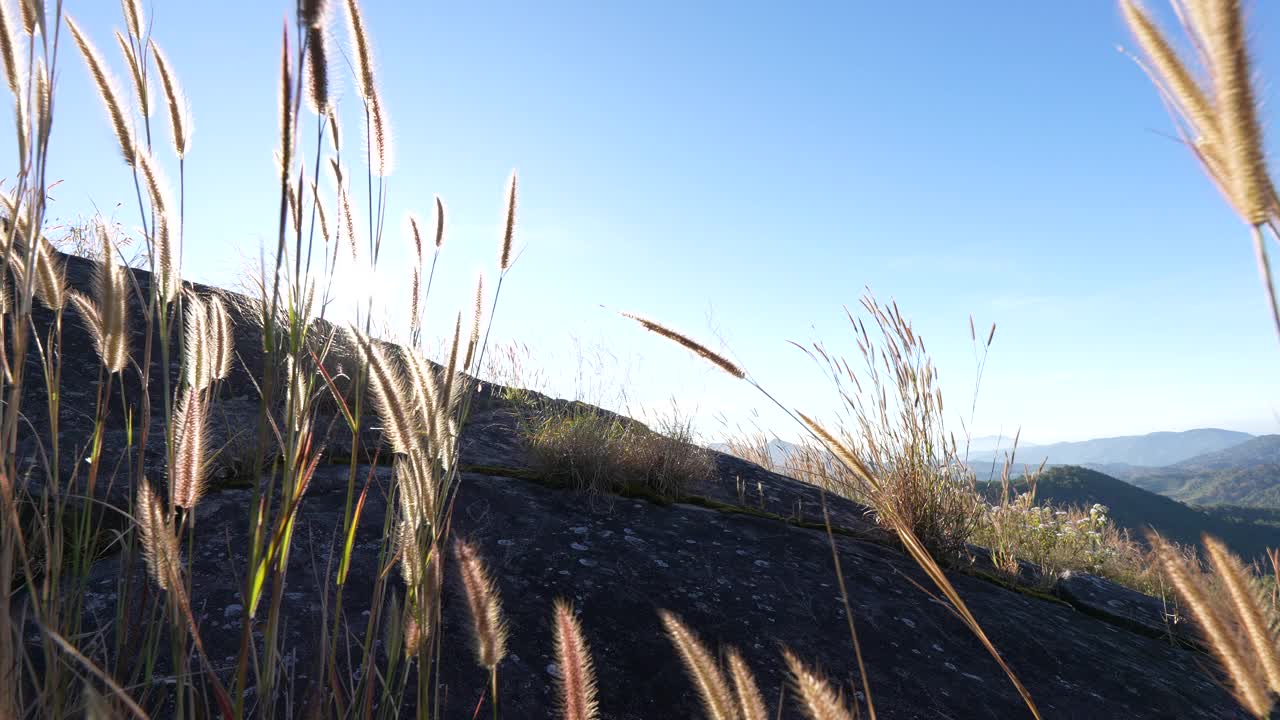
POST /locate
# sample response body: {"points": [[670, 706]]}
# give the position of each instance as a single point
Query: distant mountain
{"points": [[1154, 450], [992, 443], [1247, 475], [1247, 531]]}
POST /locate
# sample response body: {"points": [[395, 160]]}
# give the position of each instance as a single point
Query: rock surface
{"points": [[742, 559]]}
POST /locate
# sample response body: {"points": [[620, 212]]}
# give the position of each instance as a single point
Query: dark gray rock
{"points": [[742, 559]]}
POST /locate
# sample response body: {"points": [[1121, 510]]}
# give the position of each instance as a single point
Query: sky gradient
{"points": [[740, 171]]}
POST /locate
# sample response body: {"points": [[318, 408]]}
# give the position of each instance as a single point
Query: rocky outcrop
{"points": [[743, 558]]}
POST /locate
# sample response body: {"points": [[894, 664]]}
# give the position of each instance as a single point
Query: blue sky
{"points": [[742, 170]]}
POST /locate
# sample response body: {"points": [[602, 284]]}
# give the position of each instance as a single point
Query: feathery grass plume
{"points": [[702, 668], [133, 18], [1248, 684], [429, 405], [10, 50], [577, 676], [509, 226], [141, 87], [88, 314], [179, 120], [440, 218], [378, 126], [474, 340], [159, 545], [1247, 603], [162, 254], [1180, 86], [196, 353], [317, 70], [188, 476], [417, 496], [817, 698], [111, 285], [399, 423], [415, 290], [286, 107], [221, 338], [750, 703], [51, 275], [488, 627], [1228, 55], [32, 16], [44, 101], [698, 348], [312, 13], [335, 130], [107, 91], [346, 218]]}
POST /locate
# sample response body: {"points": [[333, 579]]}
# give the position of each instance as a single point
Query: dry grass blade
{"points": [[698, 348], [1247, 603], [488, 627], [701, 668], [1248, 685], [188, 476], [577, 676], [159, 545], [106, 91], [817, 698], [179, 122], [750, 702]]}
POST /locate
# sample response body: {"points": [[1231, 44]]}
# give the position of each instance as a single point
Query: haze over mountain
{"points": [[1247, 475], [1155, 449]]}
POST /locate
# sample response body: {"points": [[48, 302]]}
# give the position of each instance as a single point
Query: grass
{"points": [[600, 453], [889, 448]]}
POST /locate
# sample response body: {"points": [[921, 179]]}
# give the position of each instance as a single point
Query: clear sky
{"points": [[740, 170]]}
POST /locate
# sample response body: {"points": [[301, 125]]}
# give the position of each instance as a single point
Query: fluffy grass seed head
{"points": [[440, 218], [1230, 67], [141, 88], [159, 545], [196, 353], [111, 286], [33, 15], [1247, 683], [133, 17], [1180, 85], [190, 433], [696, 347], [317, 69], [162, 250], [51, 275], [701, 667], [107, 91], [819, 701], [488, 627], [509, 224], [746, 692], [577, 676], [385, 379], [10, 51], [179, 115], [221, 338]]}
